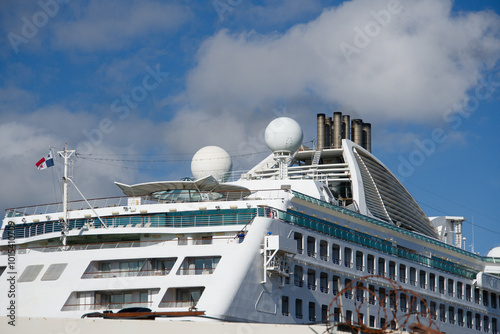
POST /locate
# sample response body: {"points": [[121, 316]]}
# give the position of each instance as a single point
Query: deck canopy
{"points": [[206, 188]]}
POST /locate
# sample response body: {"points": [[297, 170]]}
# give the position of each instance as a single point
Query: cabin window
{"points": [[382, 296], [485, 298], [451, 290], [442, 312], [323, 250], [285, 307], [298, 308], [441, 284], [381, 266], [336, 314], [348, 257], [360, 292], [477, 295], [478, 321], [432, 282], [460, 317], [298, 239], [432, 309], [359, 261], [402, 273], [460, 292], [348, 292], [335, 285], [468, 292], [403, 300], [423, 307], [298, 276], [311, 279], [469, 319], [413, 276], [336, 254], [348, 316], [324, 313], [361, 318], [423, 279], [323, 282], [451, 315], [392, 270], [312, 311], [311, 246], [370, 264], [371, 295]]}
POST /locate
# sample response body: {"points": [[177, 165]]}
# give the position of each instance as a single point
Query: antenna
{"points": [[65, 155], [472, 234]]}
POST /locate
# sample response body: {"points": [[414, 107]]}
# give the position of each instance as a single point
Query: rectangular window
{"points": [[182, 297], [298, 276], [311, 246], [298, 239], [312, 311], [285, 307], [359, 261], [311, 279], [324, 313], [298, 308], [199, 265], [323, 282], [323, 250], [336, 254]]}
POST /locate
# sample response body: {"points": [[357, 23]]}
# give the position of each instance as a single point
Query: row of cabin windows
{"points": [[379, 266], [463, 319]]}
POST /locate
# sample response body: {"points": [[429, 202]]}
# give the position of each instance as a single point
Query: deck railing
{"points": [[170, 219]]}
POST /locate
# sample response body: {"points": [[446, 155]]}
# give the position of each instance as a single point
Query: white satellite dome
{"points": [[283, 134], [211, 160]]}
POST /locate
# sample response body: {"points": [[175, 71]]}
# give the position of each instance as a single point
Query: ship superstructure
{"points": [[309, 235]]}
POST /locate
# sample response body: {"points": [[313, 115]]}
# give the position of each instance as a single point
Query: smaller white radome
{"points": [[211, 160], [283, 134]]}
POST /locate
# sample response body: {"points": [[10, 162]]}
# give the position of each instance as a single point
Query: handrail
{"points": [[170, 219]]}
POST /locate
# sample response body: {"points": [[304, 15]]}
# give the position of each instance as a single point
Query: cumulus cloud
{"points": [[396, 60], [112, 25]]}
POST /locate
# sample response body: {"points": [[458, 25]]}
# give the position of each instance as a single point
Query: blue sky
{"points": [[137, 87]]}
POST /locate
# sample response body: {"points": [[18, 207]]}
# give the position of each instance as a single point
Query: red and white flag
{"points": [[45, 162]]}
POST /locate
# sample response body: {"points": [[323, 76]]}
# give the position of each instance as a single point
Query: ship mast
{"points": [[65, 155]]}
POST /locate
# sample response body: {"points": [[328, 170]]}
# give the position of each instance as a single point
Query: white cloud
{"points": [[416, 64], [112, 25]]}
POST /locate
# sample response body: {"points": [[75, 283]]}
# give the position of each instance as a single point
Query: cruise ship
{"points": [[322, 235]]}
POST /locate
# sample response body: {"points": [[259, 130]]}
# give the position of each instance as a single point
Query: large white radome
{"points": [[211, 160], [283, 134]]}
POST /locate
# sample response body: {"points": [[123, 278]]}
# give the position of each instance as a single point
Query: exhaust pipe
{"points": [[321, 131]]}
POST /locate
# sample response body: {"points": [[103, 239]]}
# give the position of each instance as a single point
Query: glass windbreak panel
{"points": [[177, 195], [129, 268], [199, 265], [182, 297]]}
